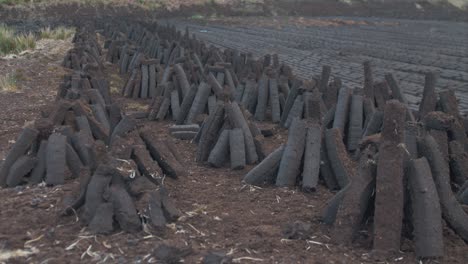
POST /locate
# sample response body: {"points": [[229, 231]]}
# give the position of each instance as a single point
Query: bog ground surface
{"points": [[220, 213]]}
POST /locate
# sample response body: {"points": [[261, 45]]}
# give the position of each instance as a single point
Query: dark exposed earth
{"points": [[221, 214]]}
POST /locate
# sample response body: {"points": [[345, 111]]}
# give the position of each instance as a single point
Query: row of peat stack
{"points": [[367, 143], [382, 157], [84, 136], [185, 77]]}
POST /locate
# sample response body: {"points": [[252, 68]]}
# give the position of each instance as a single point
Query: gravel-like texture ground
{"points": [[405, 48]]}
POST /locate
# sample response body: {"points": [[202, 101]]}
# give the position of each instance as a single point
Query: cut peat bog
{"points": [[172, 135]]}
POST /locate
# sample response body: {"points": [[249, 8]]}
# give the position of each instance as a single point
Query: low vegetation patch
{"points": [[8, 83], [15, 43], [12, 42], [58, 33]]}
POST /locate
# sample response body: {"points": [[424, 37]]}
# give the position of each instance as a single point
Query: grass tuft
{"points": [[11, 43], [58, 33], [8, 83]]}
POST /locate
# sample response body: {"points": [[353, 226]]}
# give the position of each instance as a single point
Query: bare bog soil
{"points": [[220, 214], [38, 73]]}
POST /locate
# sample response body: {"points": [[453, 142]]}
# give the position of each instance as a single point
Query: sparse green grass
{"points": [[58, 33], [197, 16], [8, 83], [11, 43]]}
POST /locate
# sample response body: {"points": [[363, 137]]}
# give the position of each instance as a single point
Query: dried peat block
{"points": [[97, 129], [267, 169], [340, 162], [212, 100], [160, 152], [296, 111], [184, 128], [125, 125], [21, 146], [458, 163], [290, 164], [382, 94], [312, 110], [170, 210], [398, 95], [152, 81], [237, 149], [326, 172], [82, 144], [184, 135], [324, 78], [249, 92], [83, 125], [56, 159], [144, 82], [452, 211], [215, 86], [186, 105], [60, 110], [175, 104], [274, 101], [262, 102], [103, 220], [124, 209], [438, 120], [155, 107], [259, 146], [356, 199], [209, 133], [328, 117], [426, 213], [448, 103], [137, 86], [95, 97], [182, 78], [368, 81], [441, 138], [153, 203], [331, 93], [290, 101], [390, 171], [462, 194], [238, 120], [38, 172], [311, 170], [98, 184], [375, 124], [342, 109], [220, 152], [368, 110], [199, 102], [230, 83], [330, 210], [355, 122], [128, 89], [22, 166], [73, 161], [163, 109], [115, 116], [429, 100], [239, 93], [145, 163], [412, 132]]}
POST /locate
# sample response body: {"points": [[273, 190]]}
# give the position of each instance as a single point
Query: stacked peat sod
{"points": [[228, 135], [86, 137], [185, 78], [399, 173]]}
